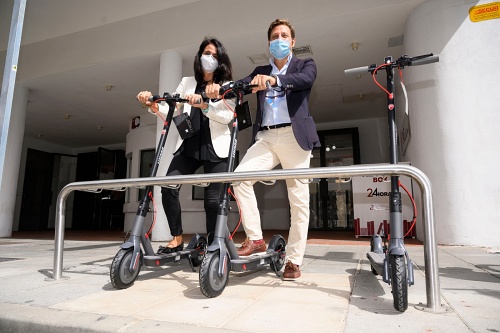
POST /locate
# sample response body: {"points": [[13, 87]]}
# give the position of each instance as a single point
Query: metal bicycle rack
{"points": [[430, 246]]}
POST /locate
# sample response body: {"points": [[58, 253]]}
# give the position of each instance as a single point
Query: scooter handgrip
{"points": [[153, 98], [357, 70], [203, 97], [425, 61]]}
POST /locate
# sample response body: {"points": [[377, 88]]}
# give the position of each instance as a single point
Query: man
{"points": [[284, 132]]}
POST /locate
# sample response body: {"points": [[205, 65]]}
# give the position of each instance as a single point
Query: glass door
{"points": [[331, 199]]}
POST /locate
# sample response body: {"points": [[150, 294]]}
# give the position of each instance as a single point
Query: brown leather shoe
{"points": [[251, 246], [292, 271]]}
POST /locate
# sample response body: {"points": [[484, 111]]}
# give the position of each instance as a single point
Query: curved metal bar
{"points": [[430, 245]]}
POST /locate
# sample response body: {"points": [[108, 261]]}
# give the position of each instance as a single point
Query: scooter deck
{"points": [[165, 258], [377, 261], [255, 260]]}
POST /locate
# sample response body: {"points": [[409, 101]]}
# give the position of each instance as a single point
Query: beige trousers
{"points": [[271, 148]]}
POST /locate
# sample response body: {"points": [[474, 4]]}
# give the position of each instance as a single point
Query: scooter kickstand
{"points": [[274, 266], [191, 263]]}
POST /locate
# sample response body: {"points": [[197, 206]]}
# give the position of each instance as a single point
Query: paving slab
{"points": [[336, 293]]}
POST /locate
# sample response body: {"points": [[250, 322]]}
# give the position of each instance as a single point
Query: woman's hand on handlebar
{"points": [[260, 81], [212, 91], [196, 101], [143, 97]]}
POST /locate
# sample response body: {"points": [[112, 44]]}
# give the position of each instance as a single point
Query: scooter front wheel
{"points": [[399, 282], [120, 274], [211, 284]]}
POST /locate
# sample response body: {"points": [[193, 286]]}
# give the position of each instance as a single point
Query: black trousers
{"points": [[182, 165]]}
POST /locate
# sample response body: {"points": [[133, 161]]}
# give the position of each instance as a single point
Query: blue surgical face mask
{"points": [[279, 48]]}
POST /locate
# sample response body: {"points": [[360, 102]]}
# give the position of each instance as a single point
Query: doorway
{"points": [[331, 199], [37, 190], [45, 175]]}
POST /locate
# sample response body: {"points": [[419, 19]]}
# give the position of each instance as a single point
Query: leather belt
{"points": [[265, 128]]}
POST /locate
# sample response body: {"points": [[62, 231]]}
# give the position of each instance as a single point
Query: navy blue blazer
{"points": [[298, 82]]}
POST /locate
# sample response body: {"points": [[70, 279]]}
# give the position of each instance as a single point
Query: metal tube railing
{"points": [[430, 245]]}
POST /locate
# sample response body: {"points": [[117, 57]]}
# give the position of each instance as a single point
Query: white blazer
{"points": [[219, 115]]}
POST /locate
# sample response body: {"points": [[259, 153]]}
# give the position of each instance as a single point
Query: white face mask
{"points": [[209, 63]]}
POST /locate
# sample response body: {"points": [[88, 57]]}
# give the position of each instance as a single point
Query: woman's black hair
{"points": [[224, 70]]}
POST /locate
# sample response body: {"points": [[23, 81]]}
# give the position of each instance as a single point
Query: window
{"points": [[331, 200]]}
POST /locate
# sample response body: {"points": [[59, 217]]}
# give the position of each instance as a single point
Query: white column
{"points": [[170, 77], [454, 118], [8, 187]]}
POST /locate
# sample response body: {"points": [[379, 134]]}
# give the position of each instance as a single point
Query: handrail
{"points": [[430, 245]]}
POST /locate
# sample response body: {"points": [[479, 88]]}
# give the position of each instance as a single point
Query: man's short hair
{"points": [[277, 22]]}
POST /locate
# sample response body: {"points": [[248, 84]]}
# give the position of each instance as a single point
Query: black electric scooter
{"points": [[221, 255], [392, 262], [127, 262]]}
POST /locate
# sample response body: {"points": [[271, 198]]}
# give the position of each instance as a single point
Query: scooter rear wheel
{"points": [[201, 244], [120, 274], [211, 284], [277, 244]]}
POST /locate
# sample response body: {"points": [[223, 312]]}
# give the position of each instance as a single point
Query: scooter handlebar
{"points": [[245, 88], [222, 90], [229, 90], [166, 98], [425, 61], [234, 87], [403, 61]]}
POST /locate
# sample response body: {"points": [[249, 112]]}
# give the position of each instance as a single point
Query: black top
{"points": [[199, 146]]}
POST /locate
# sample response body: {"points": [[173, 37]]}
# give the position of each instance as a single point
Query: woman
{"points": [[209, 146]]}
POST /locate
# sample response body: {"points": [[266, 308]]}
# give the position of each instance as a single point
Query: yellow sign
{"points": [[485, 12]]}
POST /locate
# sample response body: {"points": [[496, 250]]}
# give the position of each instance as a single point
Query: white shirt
{"points": [[275, 105]]}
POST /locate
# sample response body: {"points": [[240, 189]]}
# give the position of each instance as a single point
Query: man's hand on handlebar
{"points": [[260, 81], [143, 97]]}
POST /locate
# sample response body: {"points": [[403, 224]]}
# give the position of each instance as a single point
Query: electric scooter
{"points": [[392, 262], [221, 255], [127, 262]]}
